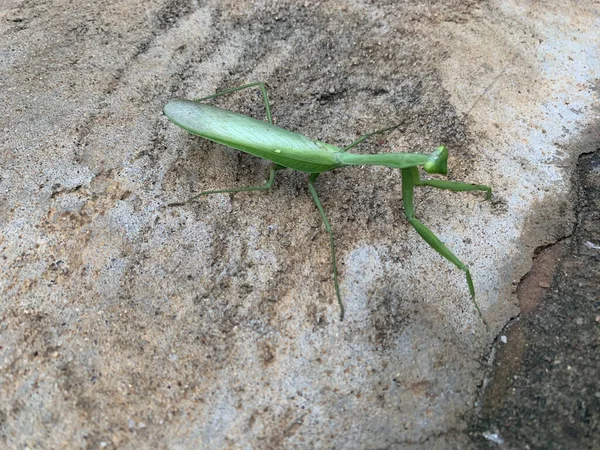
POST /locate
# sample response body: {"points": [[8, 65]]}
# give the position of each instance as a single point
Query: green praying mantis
{"points": [[289, 150]]}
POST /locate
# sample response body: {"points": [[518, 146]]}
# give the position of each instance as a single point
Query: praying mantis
{"points": [[289, 150]]}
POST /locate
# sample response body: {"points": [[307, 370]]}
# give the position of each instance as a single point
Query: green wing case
{"points": [[253, 136]]}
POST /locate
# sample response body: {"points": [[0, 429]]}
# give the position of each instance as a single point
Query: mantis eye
{"points": [[438, 161]]}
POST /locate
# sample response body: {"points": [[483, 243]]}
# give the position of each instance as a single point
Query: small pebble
{"points": [[493, 437], [504, 339], [543, 284]]}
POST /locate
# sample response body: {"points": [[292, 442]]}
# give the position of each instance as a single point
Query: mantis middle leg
{"points": [[368, 135], [313, 191]]}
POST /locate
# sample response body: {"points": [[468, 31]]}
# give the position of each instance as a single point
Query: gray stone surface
{"points": [[543, 390], [129, 324]]}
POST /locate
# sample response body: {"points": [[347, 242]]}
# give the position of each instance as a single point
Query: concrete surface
{"points": [[543, 390], [129, 324]]}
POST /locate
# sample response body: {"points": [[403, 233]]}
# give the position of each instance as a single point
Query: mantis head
{"points": [[438, 161]]}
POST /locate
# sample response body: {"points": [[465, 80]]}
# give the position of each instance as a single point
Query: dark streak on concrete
{"points": [[545, 388]]}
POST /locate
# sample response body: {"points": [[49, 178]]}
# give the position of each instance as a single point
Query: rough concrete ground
{"points": [[128, 324], [543, 391]]}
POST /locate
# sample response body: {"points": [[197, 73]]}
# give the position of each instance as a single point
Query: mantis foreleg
{"points": [[456, 186], [410, 179], [313, 191]]}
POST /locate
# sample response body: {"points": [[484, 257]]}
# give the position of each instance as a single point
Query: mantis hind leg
{"points": [[262, 87], [313, 191], [410, 179], [264, 187]]}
